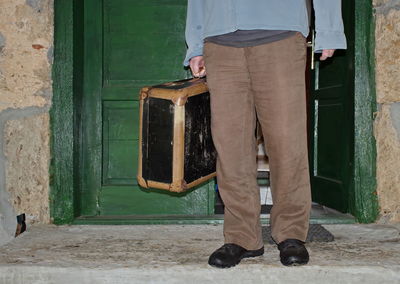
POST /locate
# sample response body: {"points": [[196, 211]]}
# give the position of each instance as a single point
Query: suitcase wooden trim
{"points": [[179, 98], [178, 182], [139, 176], [178, 187]]}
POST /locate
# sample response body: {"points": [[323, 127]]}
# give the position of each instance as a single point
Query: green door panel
{"points": [[152, 202], [120, 142], [328, 162], [332, 123], [144, 33], [129, 44], [144, 44]]}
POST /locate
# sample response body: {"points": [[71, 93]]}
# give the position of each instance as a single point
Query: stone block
{"points": [[388, 165], [387, 56], [26, 148], [25, 69]]}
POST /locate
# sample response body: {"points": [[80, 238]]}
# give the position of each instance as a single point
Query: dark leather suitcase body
{"points": [[176, 151]]}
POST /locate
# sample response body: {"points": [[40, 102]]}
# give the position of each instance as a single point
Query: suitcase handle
{"points": [[182, 82]]}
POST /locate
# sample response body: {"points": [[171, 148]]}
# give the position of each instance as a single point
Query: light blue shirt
{"points": [[215, 17]]}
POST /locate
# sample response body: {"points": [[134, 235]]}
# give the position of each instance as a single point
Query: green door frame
{"points": [[65, 111]]}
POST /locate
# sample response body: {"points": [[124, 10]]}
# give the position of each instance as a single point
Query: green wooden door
{"points": [[128, 44], [332, 123]]}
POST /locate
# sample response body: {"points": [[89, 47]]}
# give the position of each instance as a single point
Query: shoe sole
{"points": [[293, 261], [248, 254]]}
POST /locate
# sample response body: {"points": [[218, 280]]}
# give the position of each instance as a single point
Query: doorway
{"points": [[111, 49]]}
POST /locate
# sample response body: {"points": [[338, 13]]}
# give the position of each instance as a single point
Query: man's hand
{"points": [[197, 66], [326, 53]]}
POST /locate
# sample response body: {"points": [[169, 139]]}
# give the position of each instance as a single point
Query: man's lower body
{"points": [[264, 82]]}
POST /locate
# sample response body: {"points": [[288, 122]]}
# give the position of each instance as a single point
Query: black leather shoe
{"points": [[230, 254], [293, 252]]}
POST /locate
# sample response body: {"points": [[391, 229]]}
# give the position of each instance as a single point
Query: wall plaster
{"points": [[387, 123]]}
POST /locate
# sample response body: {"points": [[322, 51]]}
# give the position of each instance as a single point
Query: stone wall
{"points": [[26, 40], [387, 123]]}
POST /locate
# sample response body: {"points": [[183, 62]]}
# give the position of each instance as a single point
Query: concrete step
{"points": [[179, 253]]}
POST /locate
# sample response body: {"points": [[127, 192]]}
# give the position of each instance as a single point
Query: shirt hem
{"points": [[304, 30]]}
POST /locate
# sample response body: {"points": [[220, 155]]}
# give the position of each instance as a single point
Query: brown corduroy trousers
{"points": [[267, 81]]}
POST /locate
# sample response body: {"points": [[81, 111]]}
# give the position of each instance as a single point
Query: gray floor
{"points": [[326, 215], [179, 253]]}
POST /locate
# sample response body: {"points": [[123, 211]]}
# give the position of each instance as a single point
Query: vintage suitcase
{"points": [[176, 151]]}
